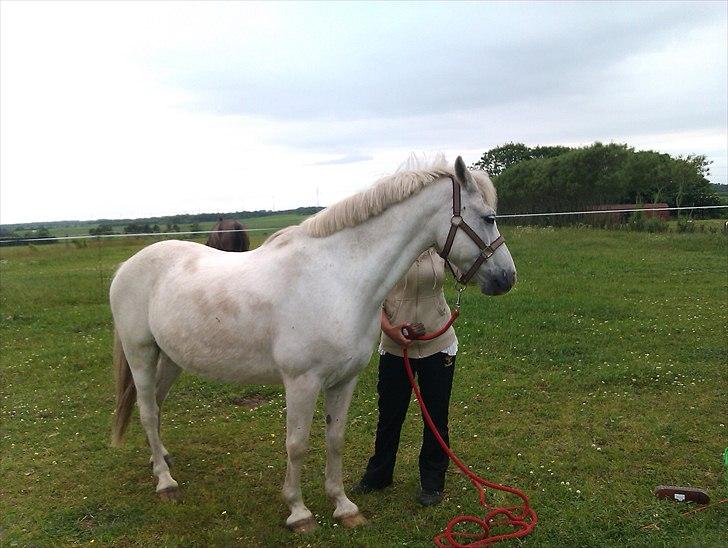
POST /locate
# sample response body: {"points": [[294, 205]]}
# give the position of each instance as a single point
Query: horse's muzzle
{"points": [[500, 282]]}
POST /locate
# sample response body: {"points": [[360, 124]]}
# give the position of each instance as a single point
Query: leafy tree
{"points": [[137, 228], [101, 230], [496, 160], [42, 232], [603, 174]]}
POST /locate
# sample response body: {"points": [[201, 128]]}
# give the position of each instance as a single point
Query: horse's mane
{"points": [[413, 175]]}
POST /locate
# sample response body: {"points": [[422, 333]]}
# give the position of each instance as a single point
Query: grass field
{"points": [[601, 375]]}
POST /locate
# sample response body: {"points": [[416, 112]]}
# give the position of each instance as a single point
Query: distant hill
{"points": [[184, 218]]}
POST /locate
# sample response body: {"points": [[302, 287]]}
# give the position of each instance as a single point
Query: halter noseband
{"points": [[456, 222]]}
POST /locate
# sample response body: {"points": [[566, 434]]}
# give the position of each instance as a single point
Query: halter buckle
{"points": [[456, 220], [459, 288]]}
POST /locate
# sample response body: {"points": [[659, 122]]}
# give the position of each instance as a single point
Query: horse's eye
{"points": [[490, 219]]}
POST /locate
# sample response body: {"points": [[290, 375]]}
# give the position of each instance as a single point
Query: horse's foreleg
{"points": [[338, 398], [143, 368], [301, 395]]}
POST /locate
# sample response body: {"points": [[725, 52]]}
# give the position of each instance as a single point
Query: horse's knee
{"points": [[149, 419], [334, 443], [296, 448]]}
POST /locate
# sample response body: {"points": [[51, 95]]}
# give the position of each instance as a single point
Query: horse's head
{"points": [[473, 242]]}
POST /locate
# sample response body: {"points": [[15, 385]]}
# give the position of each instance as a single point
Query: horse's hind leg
{"points": [[143, 362], [301, 395], [167, 373], [337, 401]]}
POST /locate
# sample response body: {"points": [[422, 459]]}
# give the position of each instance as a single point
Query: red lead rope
{"points": [[520, 519]]}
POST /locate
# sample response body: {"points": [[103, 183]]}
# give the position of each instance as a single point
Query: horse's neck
{"points": [[379, 252]]}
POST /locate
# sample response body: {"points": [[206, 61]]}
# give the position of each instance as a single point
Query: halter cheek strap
{"points": [[457, 222]]}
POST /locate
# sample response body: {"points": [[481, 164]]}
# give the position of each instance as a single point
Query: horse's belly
{"points": [[234, 372], [219, 349]]}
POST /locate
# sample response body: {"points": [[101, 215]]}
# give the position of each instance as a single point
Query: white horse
{"points": [[302, 310]]}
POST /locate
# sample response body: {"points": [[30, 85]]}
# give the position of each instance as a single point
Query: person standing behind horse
{"points": [[416, 299], [228, 235]]}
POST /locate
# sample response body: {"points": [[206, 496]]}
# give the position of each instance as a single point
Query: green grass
{"points": [[601, 375]]}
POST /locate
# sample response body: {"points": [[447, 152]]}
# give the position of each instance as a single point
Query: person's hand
{"points": [[413, 331], [395, 333]]}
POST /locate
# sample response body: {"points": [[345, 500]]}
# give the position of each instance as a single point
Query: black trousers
{"points": [[434, 375]]}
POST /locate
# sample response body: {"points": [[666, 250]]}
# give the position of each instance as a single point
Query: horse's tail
{"points": [[125, 393]]}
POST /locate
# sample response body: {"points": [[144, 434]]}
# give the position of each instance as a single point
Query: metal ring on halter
{"points": [[460, 292]]}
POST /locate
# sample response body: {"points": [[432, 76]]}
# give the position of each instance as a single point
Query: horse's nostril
{"points": [[507, 279]]}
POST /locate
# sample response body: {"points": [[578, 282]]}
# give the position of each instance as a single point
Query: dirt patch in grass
{"points": [[251, 401], [87, 523]]}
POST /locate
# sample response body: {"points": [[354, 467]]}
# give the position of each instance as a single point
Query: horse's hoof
{"points": [[171, 494], [353, 520], [303, 526]]}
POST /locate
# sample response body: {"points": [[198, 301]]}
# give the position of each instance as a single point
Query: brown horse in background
{"points": [[229, 235]]}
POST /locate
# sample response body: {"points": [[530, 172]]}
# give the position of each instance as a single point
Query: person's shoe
{"points": [[429, 497], [362, 488]]}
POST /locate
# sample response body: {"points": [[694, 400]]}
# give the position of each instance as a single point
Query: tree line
{"points": [[39, 236], [168, 220], [558, 178]]}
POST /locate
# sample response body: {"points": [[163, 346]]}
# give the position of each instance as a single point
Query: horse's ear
{"points": [[462, 174]]}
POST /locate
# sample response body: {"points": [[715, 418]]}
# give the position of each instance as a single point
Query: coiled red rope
{"points": [[520, 519]]}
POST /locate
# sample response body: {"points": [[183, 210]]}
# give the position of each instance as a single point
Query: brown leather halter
{"points": [[456, 222]]}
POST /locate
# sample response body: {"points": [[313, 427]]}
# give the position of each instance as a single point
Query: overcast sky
{"points": [[135, 109]]}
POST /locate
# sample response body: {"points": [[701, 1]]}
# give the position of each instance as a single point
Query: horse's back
{"points": [[158, 257], [137, 277]]}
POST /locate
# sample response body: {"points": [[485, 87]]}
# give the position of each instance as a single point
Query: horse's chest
{"points": [[333, 358]]}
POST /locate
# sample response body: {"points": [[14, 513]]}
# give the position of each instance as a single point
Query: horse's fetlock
{"points": [[159, 469], [334, 491], [291, 495]]}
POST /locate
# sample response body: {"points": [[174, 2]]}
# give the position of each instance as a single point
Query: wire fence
{"points": [[273, 229]]}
